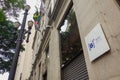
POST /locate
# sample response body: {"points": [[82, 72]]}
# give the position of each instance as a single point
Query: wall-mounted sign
{"points": [[96, 43]]}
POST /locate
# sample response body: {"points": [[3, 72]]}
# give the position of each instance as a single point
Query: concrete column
{"points": [[54, 70]]}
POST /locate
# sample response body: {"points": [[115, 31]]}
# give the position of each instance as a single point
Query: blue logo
{"points": [[91, 45], [94, 42]]}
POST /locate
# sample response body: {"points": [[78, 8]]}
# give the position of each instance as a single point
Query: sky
{"points": [[32, 4]]}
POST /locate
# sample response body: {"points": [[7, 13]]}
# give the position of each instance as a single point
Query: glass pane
{"points": [[70, 39]]}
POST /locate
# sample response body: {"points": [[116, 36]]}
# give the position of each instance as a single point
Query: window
{"points": [[39, 71], [73, 63], [45, 76], [118, 1], [47, 51], [21, 76], [70, 39]]}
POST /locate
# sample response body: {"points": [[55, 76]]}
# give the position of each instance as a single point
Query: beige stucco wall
{"points": [[40, 68], [25, 60], [54, 70], [107, 13], [88, 14], [20, 65], [50, 64]]}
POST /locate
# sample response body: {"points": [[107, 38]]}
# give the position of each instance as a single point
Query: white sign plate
{"points": [[96, 43]]}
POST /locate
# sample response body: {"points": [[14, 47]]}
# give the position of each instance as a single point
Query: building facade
{"points": [[26, 59], [61, 49]]}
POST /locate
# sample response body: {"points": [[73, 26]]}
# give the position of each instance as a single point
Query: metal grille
{"points": [[75, 70]]}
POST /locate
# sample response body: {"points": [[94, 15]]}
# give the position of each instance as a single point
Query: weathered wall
{"points": [[20, 66], [88, 14], [107, 13], [53, 70], [28, 59], [25, 60]]}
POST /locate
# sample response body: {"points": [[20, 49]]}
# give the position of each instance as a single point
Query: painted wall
{"points": [[88, 14], [107, 13], [25, 61]]}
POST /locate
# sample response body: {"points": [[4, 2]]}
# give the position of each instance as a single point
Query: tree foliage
{"points": [[12, 7], [8, 34], [7, 44]]}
